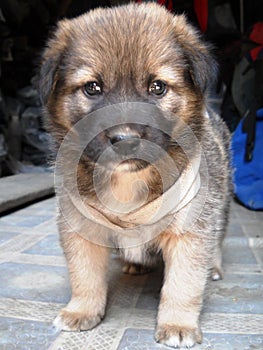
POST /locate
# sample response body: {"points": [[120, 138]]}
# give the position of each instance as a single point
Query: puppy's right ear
{"points": [[201, 64], [51, 59]]}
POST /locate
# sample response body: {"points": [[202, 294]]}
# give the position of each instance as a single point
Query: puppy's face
{"points": [[137, 54]]}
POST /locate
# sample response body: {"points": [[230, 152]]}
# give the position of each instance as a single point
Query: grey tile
{"points": [[231, 342], [25, 335], [235, 294], [143, 339], [234, 229], [139, 339], [150, 294], [246, 215], [259, 215], [35, 220], [25, 220], [259, 255], [48, 246], [47, 203], [6, 235], [242, 269], [238, 254], [231, 319], [254, 229], [11, 220], [232, 323], [99, 338], [123, 288], [34, 282], [236, 242], [28, 310]]}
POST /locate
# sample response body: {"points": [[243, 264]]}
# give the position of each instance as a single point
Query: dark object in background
{"points": [[24, 26], [216, 19], [247, 85], [13, 130], [35, 139], [3, 152], [247, 142], [27, 139]]}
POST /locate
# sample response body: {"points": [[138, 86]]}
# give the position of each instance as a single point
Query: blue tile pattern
{"points": [[28, 335], [142, 339], [32, 282], [25, 221], [34, 285], [6, 235], [236, 294], [48, 246]]}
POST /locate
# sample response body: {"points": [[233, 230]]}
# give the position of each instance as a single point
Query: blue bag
{"points": [[248, 175]]}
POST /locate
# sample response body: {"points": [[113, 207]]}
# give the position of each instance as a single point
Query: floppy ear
{"points": [[51, 59], [201, 64], [48, 79]]}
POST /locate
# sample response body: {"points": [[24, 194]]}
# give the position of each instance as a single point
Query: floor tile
{"points": [[238, 254], [32, 282], [6, 235], [235, 294], [150, 295], [254, 229], [22, 221], [259, 255], [49, 245], [235, 229], [34, 285], [142, 339], [25, 335]]}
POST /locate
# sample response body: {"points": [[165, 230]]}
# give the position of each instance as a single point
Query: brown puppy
{"points": [[132, 82]]}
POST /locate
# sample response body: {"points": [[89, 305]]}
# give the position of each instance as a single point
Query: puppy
{"points": [[142, 163]]}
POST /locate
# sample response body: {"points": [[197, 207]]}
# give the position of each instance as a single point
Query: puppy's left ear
{"points": [[201, 64], [51, 59]]}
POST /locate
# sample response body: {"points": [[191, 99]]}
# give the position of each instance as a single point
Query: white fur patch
{"points": [[173, 341], [60, 325]]}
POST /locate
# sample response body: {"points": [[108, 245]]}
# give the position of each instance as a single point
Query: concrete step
{"points": [[16, 190]]}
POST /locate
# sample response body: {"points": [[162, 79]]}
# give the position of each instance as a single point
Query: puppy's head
{"points": [[134, 53]]}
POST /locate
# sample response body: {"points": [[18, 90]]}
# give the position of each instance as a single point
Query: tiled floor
{"points": [[34, 285]]}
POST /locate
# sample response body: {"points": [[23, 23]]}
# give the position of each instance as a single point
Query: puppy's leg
{"points": [[186, 274], [221, 228], [87, 264], [217, 271]]}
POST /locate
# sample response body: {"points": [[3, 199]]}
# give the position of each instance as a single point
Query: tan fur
{"points": [[127, 48], [185, 276], [88, 264]]}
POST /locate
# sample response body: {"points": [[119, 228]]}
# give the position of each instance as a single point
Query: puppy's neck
{"points": [[127, 191], [130, 191], [134, 186]]}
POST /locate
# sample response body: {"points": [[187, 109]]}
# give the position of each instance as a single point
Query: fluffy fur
{"points": [[124, 49]]}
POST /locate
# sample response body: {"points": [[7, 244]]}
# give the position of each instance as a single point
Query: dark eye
{"points": [[157, 88], [92, 88]]}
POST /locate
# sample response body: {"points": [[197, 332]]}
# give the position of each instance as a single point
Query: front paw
{"points": [[75, 321], [178, 336]]}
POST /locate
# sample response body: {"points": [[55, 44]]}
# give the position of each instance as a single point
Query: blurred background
{"points": [[234, 27]]}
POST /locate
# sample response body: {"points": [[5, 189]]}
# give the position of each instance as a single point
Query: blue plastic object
{"points": [[248, 176]]}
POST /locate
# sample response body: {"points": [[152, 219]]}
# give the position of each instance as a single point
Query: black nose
{"points": [[125, 144]]}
